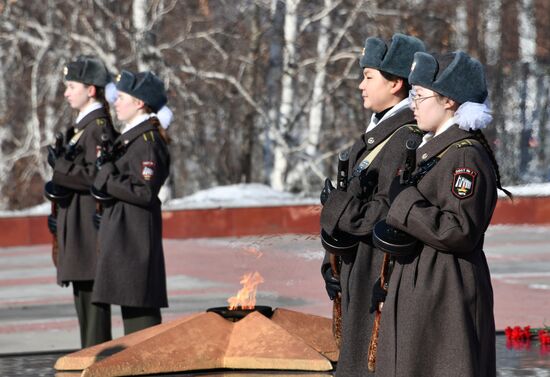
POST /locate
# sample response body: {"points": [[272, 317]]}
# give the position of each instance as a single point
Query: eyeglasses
{"points": [[418, 100]]}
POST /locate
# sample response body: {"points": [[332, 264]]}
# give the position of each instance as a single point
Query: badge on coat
{"points": [[148, 170], [464, 180]]}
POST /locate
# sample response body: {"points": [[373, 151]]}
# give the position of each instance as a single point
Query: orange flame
{"points": [[246, 297]]}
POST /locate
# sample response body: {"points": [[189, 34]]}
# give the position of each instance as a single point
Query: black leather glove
{"points": [[332, 284], [106, 154], [395, 188], [69, 134], [363, 185], [378, 296], [99, 163], [354, 187], [72, 152], [52, 224], [97, 220], [327, 189], [52, 156]]}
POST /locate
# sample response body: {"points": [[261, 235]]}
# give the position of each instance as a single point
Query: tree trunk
{"points": [[144, 37], [461, 27], [316, 112], [249, 134], [299, 178], [510, 33], [273, 81], [280, 155], [139, 21], [474, 29], [492, 16], [542, 22]]}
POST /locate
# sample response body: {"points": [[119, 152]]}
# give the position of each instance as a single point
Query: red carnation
{"points": [[544, 337], [518, 333]]}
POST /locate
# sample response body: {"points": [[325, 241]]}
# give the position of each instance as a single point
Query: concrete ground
{"points": [[38, 315]]}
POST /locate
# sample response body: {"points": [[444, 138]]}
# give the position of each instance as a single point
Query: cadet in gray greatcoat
{"points": [[384, 89], [85, 80], [438, 316], [130, 270]]}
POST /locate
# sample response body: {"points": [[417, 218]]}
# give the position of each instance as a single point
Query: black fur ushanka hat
{"points": [[145, 86], [87, 70]]}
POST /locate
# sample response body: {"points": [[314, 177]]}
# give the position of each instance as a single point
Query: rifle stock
{"points": [[373, 345], [342, 185], [55, 245], [405, 178], [336, 303]]}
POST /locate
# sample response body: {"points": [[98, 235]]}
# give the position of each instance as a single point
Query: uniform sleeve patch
{"points": [[148, 170], [464, 180]]}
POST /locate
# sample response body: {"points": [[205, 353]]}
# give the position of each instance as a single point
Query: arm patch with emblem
{"points": [[147, 170], [464, 180]]}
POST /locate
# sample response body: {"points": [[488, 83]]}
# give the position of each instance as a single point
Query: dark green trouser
{"points": [[94, 319], [136, 319]]}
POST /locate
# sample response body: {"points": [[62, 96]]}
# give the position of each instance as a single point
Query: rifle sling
{"points": [[367, 161], [426, 166], [76, 137]]}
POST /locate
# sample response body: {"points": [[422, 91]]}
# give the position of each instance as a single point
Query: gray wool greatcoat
{"points": [[437, 320], [76, 234], [130, 270], [357, 215]]}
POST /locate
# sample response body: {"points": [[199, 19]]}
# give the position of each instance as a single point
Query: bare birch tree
{"points": [[262, 90], [280, 134]]}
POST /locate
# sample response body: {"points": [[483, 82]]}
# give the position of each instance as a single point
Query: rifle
{"points": [[335, 260], [392, 242], [56, 194], [102, 199]]}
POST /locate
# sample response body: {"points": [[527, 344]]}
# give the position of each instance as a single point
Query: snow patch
{"points": [[239, 195], [39, 210], [532, 189], [539, 286], [256, 195]]}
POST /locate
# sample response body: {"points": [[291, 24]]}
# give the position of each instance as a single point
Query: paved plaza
{"points": [[38, 315]]}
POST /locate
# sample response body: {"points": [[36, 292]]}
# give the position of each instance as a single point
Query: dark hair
{"points": [[479, 136], [156, 122], [100, 97], [406, 86]]}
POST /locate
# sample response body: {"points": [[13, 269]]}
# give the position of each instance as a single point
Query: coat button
{"points": [[424, 156], [370, 140]]}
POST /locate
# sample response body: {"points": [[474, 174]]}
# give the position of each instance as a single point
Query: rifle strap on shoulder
{"points": [[75, 138], [426, 166], [367, 161]]}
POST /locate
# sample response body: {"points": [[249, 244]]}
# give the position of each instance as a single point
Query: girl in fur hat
{"points": [[131, 270], [373, 162], [438, 315], [86, 81]]}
